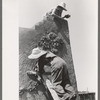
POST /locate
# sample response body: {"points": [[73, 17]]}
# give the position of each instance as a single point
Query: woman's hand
{"points": [[67, 16], [31, 73]]}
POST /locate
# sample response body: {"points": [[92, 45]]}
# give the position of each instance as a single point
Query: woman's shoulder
{"points": [[58, 60]]}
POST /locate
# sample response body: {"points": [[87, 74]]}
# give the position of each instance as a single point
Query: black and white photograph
{"points": [[54, 47]]}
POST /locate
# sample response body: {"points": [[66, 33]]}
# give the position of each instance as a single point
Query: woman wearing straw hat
{"points": [[57, 11], [53, 68]]}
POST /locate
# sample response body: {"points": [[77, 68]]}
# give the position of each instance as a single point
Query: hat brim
{"points": [[62, 7], [32, 56], [65, 9]]}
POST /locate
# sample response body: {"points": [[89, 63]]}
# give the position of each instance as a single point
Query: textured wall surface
{"points": [[28, 39], [87, 96]]}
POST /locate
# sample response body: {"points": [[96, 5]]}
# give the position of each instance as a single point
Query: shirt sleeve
{"points": [[59, 74], [56, 74]]}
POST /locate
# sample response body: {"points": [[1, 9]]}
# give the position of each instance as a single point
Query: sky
{"points": [[83, 34]]}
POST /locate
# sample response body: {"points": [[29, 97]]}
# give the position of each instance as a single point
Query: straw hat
{"points": [[63, 5], [36, 53]]}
